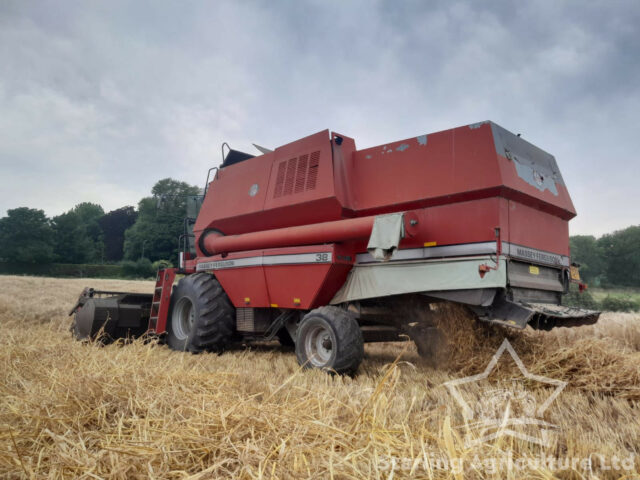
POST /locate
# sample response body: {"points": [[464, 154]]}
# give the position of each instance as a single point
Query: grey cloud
{"points": [[99, 100]]}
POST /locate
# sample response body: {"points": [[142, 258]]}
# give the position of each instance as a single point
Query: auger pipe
{"points": [[337, 231]]}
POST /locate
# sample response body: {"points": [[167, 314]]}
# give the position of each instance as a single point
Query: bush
{"points": [[619, 304], [158, 264], [142, 268], [581, 300], [61, 270]]}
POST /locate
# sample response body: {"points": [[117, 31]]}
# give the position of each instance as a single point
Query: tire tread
{"points": [[349, 338], [214, 327]]}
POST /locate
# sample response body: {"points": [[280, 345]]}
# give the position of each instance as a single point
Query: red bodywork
{"points": [[262, 225], [273, 278]]}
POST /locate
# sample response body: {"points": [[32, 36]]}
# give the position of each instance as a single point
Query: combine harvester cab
{"points": [[317, 243]]}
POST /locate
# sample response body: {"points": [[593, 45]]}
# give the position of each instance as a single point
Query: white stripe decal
{"points": [[235, 263], [466, 249], [291, 259], [320, 257], [469, 249]]}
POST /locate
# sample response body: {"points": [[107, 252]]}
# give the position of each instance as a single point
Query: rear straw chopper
{"points": [[316, 243]]}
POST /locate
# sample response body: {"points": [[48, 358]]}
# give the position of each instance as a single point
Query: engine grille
{"points": [[252, 320]]}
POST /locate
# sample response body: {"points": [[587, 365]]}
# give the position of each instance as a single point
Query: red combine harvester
{"points": [[319, 244]]}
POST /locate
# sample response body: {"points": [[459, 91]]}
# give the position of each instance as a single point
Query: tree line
{"points": [[87, 235], [611, 260]]}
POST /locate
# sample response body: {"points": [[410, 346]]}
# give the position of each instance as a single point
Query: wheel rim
{"points": [[318, 345], [183, 318]]}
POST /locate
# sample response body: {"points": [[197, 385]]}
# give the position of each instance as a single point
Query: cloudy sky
{"points": [[99, 100]]}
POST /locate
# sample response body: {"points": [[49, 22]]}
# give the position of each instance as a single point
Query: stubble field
{"points": [[73, 410]]}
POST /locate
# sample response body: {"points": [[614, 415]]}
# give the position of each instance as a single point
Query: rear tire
{"points": [[330, 339], [201, 317]]}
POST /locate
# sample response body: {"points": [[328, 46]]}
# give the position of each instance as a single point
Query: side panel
{"points": [[334, 280], [246, 287], [465, 163], [464, 222], [531, 172], [239, 189], [293, 277], [424, 169], [295, 286], [386, 279], [307, 286], [293, 185], [536, 229], [235, 192], [241, 276]]}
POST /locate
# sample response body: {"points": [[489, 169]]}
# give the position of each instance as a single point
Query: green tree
{"points": [[78, 236], [621, 251], [586, 251], [71, 244], [26, 236], [113, 225], [90, 215], [160, 221]]}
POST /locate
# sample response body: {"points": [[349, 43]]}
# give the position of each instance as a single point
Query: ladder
{"points": [[161, 300]]}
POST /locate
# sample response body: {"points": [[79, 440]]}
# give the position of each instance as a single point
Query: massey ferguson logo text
{"points": [[216, 265], [539, 256]]}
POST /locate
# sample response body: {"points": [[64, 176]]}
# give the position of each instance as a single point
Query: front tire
{"points": [[330, 339], [201, 317]]}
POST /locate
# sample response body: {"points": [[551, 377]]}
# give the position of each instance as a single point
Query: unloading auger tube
{"points": [[326, 232]]}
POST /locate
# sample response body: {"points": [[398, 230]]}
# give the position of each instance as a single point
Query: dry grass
{"points": [[136, 411]]}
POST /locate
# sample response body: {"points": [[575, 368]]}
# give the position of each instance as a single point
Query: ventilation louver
{"points": [[297, 174]]}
